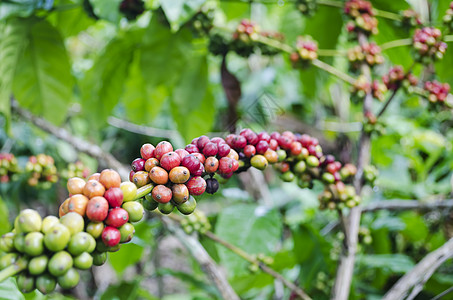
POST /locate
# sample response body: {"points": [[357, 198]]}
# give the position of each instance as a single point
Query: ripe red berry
{"points": [[264, 136], [275, 135], [249, 151], [200, 171], [147, 151], [202, 141], [161, 194], [192, 149], [229, 139], [200, 157], [251, 137], [223, 150], [110, 178], [218, 140], [170, 160], [296, 148], [192, 163], [285, 142], [273, 144], [194, 141], [211, 164], [305, 140], [182, 153], [114, 196], [210, 149], [262, 147], [117, 217], [225, 165], [196, 185], [239, 142], [97, 209], [111, 236], [131, 176], [138, 164], [162, 148]]}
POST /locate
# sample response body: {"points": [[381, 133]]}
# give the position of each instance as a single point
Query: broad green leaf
{"points": [[141, 101], [164, 54], [251, 228], [416, 230], [12, 42], [389, 32], [104, 83], [192, 103], [179, 12], [128, 255], [390, 263], [22, 8], [123, 290], [9, 290], [107, 9], [43, 82], [71, 21], [190, 279]]}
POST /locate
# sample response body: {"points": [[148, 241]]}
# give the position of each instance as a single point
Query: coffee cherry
{"points": [[151, 163], [129, 191], [34, 244], [25, 283], [212, 185], [192, 163], [239, 142], [38, 265], [312, 161], [225, 165], [180, 193], [233, 155], [114, 196], [158, 175], [78, 204], [111, 236], [19, 242], [259, 162], [249, 151], [170, 160], [200, 157], [328, 177], [210, 149], [60, 263], [46, 283], [48, 222], [57, 238], [192, 149], [134, 210], [99, 258], [182, 153], [187, 207], [211, 164], [202, 141], [29, 220], [147, 151], [75, 185], [200, 171], [179, 175], [97, 209], [83, 261], [127, 231], [117, 217], [149, 203], [131, 175], [271, 156], [251, 137], [73, 221], [162, 148], [300, 167], [262, 147], [79, 243], [141, 178], [161, 194], [93, 188], [166, 208], [196, 185], [94, 176], [7, 242], [273, 144], [138, 164], [69, 280], [95, 229], [223, 150], [7, 260], [264, 136]]}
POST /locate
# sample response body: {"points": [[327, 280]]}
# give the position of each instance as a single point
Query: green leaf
{"points": [[124, 291], [9, 290], [192, 103], [12, 42], [416, 229], [107, 9], [142, 102], [22, 8], [4, 225], [128, 255], [71, 21], [103, 84], [393, 263], [43, 82], [389, 32], [178, 12], [251, 228], [191, 279]]}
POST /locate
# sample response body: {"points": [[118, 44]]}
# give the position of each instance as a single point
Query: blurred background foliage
{"points": [[83, 66]]}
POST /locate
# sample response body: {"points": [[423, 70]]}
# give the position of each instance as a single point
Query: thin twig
{"points": [[396, 43], [334, 71], [238, 251], [446, 292], [78, 143], [401, 205], [202, 257], [143, 130], [414, 280]]}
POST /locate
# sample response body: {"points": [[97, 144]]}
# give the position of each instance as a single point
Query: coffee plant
{"points": [[214, 149]]}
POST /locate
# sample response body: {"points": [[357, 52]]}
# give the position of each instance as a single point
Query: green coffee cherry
{"points": [[25, 283], [79, 243], [7, 260], [48, 222], [57, 238], [167, 208], [95, 229], [135, 210], [34, 243], [300, 167], [46, 283], [187, 207], [99, 258], [84, 261], [7, 242], [60, 263], [127, 232], [29, 221], [69, 280], [73, 221], [38, 265]]}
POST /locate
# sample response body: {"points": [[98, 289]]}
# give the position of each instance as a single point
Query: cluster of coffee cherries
{"points": [[196, 222], [378, 89], [396, 77], [370, 174], [77, 169], [410, 19], [369, 53], [306, 7], [132, 8], [107, 205], [436, 92], [428, 45], [94, 220], [306, 51], [362, 15], [41, 170], [178, 175], [202, 22], [448, 17], [360, 88], [8, 167]]}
